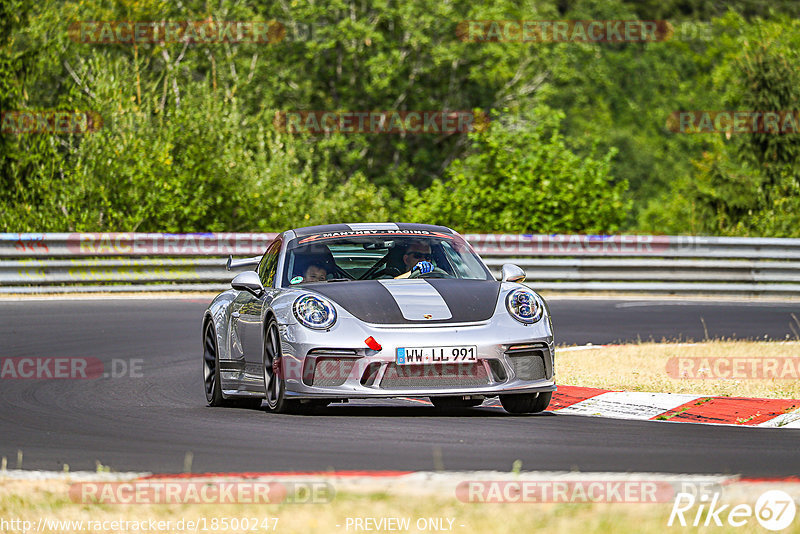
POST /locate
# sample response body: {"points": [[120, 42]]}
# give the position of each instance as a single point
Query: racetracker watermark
{"points": [[202, 492], [734, 122], [124, 244], [151, 525], [333, 370], [564, 31], [49, 122], [68, 368], [736, 368], [578, 491], [177, 31], [381, 122], [589, 245]]}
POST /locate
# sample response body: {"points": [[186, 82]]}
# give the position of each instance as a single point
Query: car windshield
{"points": [[376, 255]]}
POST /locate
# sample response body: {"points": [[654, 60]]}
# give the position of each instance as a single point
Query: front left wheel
{"points": [[274, 383]]}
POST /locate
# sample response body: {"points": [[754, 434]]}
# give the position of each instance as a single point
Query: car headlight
{"points": [[314, 312], [525, 306]]}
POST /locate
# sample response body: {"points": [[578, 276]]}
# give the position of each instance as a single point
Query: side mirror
{"points": [[512, 273], [248, 281]]}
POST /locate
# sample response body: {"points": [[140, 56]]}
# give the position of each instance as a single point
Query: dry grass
{"points": [[643, 367], [32, 500]]}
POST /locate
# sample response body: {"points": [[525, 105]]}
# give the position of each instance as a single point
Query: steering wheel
{"points": [[435, 273], [391, 272]]}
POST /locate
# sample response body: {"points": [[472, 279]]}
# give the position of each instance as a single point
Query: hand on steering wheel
{"points": [[435, 273], [423, 267]]}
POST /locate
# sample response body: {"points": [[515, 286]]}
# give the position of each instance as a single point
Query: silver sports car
{"points": [[352, 311]]}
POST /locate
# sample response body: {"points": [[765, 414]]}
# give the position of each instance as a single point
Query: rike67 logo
{"points": [[774, 510]]}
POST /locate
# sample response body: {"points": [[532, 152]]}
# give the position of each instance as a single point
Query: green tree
{"points": [[747, 183], [520, 177]]}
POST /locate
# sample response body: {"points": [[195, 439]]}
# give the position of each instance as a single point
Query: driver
{"points": [[417, 258]]}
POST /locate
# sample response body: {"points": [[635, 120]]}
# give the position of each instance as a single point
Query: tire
{"points": [[526, 403], [211, 367], [211, 379], [454, 403], [274, 384]]}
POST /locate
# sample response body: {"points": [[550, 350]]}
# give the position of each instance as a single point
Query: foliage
{"points": [[747, 184], [188, 141], [520, 177]]}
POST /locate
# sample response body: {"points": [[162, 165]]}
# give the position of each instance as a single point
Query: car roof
{"points": [[353, 227]]}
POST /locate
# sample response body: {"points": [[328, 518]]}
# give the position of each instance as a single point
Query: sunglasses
{"points": [[421, 255]]}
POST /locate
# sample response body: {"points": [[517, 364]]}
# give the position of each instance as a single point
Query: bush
{"points": [[520, 177]]}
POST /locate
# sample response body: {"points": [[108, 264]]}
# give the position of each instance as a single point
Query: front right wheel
{"points": [[526, 403], [274, 383]]}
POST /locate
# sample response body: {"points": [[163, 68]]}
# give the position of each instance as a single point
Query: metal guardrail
{"points": [[90, 262]]}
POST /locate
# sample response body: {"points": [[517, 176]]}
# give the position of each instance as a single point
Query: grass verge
{"points": [[34, 500], [715, 368]]}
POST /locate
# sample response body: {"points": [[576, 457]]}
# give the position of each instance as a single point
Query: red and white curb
{"points": [[674, 407], [683, 408]]}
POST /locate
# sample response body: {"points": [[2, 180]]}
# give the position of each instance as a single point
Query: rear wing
{"points": [[249, 263]]}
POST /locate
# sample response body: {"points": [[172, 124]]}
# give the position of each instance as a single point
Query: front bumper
{"points": [[512, 359]]}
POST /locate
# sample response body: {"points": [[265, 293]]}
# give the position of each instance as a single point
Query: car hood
{"points": [[428, 300]]}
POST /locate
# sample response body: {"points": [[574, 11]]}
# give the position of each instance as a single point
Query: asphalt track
{"points": [[148, 423]]}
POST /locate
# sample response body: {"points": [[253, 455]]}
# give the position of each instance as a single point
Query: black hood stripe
{"points": [[368, 300], [469, 300]]}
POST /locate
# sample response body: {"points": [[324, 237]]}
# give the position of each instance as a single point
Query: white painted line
{"points": [[645, 304], [70, 476], [580, 347], [590, 346], [645, 297], [629, 405], [417, 481], [793, 424], [787, 420]]}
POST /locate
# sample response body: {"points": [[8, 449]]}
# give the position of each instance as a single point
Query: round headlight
{"points": [[314, 312], [525, 306]]}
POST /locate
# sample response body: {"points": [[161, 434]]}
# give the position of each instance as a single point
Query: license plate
{"points": [[422, 355]]}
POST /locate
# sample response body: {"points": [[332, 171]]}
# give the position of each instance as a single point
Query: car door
{"points": [[248, 316]]}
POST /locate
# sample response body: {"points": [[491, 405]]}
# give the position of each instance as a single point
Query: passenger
{"points": [[316, 272]]}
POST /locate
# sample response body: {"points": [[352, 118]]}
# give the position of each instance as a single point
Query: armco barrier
{"points": [[81, 262]]}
